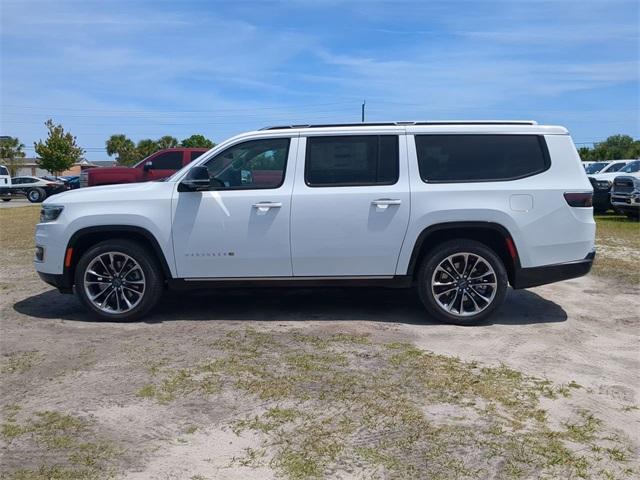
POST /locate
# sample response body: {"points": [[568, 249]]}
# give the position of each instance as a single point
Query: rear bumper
{"points": [[60, 281], [535, 276]]}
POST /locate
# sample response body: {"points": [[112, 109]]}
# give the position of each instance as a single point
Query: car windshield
{"points": [[615, 167], [632, 167], [595, 167]]}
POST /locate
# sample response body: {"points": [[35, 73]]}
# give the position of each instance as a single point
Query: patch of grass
{"points": [[55, 472], [584, 431], [20, 362], [191, 429], [18, 228], [275, 417], [54, 431], [617, 243], [179, 383]]}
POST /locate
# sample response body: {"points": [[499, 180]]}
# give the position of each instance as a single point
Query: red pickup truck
{"points": [[156, 166]]}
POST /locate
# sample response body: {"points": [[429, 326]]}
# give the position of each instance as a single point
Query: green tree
{"points": [[585, 154], [59, 151], [615, 147], [123, 148], [167, 142], [10, 151], [197, 141], [146, 147]]}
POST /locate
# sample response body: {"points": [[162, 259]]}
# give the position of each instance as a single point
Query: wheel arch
{"points": [[86, 237], [493, 235]]}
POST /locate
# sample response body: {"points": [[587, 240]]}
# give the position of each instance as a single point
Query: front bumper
{"points": [[626, 200], [535, 276], [61, 281]]}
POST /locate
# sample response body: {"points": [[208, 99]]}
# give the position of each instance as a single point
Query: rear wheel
{"points": [[36, 195], [462, 282], [118, 280]]}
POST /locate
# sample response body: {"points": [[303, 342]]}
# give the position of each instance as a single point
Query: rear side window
{"points": [[4, 171], [352, 160], [480, 158], [168, 161]]}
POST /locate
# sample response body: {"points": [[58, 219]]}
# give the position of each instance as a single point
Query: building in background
{"points": [[29, 166]]}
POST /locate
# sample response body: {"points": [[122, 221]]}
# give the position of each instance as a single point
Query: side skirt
{"points": [[397, 281]]}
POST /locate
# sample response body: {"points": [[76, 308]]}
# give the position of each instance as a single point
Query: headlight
{"points": [[602, 184], [49, 213]]}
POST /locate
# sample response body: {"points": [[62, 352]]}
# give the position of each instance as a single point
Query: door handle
{"points": [[385, 202], [265, 206]]}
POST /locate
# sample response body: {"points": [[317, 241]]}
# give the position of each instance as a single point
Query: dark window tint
{"points": [[253, 164], [168, 161], [195, 155], [357, 160], [476, 158], [4, 171]]}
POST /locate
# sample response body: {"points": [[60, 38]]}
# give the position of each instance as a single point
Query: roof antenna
{"points": [[364, 102]]}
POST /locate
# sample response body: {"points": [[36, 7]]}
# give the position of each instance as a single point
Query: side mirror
{"points": [[197, 179], [147, 166]]}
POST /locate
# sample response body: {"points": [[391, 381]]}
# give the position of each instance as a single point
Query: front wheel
{"points": [[462, 282], [118, 280]]}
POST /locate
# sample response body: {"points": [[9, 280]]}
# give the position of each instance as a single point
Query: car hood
{"points": [[99, 171], [112, 193], [611, 176]]}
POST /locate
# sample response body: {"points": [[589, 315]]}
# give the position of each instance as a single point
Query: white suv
{"points": [[458, 209]]}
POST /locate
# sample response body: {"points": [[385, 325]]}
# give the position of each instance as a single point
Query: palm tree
{"points": [[10, 151]]}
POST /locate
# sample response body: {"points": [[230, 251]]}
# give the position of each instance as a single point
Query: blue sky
{"points": [[147, 69]]}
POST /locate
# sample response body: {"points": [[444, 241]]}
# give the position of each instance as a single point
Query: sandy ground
{"points": [[585, 331]]}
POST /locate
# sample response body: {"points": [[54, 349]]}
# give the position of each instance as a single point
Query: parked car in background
{"points": [[71, 181], [602, 180], [625, 195], [458, 210], [5, 178], [34, 188], [157, 166]]}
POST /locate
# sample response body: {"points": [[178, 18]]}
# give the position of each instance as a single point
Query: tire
{"points": [[126, 296], [36, 195], [6, 199], [633, 216], [486, 266]]}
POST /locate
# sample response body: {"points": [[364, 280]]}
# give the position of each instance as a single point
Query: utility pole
{"points": [[364, 102]]}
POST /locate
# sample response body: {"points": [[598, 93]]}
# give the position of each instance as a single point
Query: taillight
{"points": [[579, 199]]}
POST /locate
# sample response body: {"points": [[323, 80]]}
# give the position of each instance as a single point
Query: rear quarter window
{"points": [[480, 158]]}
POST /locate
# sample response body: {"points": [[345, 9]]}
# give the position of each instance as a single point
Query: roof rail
{"points": [[390, 124]]}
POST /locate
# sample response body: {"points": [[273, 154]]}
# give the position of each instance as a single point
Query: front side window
{"points": [[252, 164], [352, 160], [480, 158], [4, 171], [167, 161]]}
